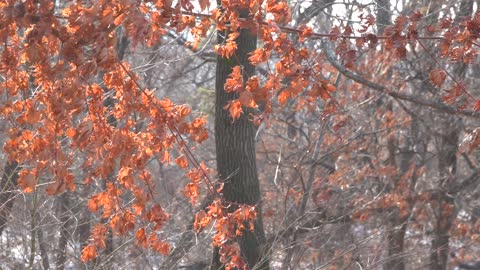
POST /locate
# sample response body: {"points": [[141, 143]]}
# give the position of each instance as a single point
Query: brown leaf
{"points": [[89, 253], [27, 181], [118, 20], [476, 106], [56, 187], [201, 221], [246, 99], [438, 76], [182, 162]]}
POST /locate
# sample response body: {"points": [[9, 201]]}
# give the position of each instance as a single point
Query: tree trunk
{"points": [[445, 211], [447, 166], [441, 238], [397, 223], [64, 217], [396, 239], [42, 246], [397, 220], [8, 185], [235, 149]]}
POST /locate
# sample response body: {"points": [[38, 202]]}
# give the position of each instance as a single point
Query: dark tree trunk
{"points": [[42, 246], [8, 185], [235, 149], [441, 238], [447, 166], [397, 221], [396, 240], [64, 217], [445, 211]]}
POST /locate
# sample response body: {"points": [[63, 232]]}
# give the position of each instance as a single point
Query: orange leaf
{"points": [[89, 253], [27, 135], [93, 203], [32, 116], [162, 248], [476, 106], [258, 56], [235, 108], [306, 32], [182, 161], [157, 215], [283, 96], [125, 177], [329, 87], [70, 133], [234, 81], [438, 77], [119, 19], [201, 221], [27, 181], [191, 191], [246, 99], [165, 157], [141, 237], [159, 246], [56, 187], [166, 104]]}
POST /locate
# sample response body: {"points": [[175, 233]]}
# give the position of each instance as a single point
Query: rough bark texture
{"points": [[235, 149], [42, 246], [64, 217], [445, 212], [8, 185], [396, 222], [396, 240], [447, 166]]}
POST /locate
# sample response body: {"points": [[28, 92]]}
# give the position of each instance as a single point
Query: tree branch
{"points": [[330, 55]]}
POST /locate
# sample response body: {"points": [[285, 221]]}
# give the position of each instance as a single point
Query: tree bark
{"points": [[447, 166], [8, 184], [42, 246], [397, 221], [235, 149], [445, 211], [396, 240], [64, 218]]}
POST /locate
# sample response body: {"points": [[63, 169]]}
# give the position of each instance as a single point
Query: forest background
{"points": [[318, 134]]}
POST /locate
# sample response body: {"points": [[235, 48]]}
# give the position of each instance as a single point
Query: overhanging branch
{"points": [[330, 55]]}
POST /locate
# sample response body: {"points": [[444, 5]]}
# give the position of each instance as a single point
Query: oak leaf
{"points": [[201, 221], [141, 237], [191, 192], [235, 109], [119, 19], [89, 253], [27, 181], [438, 77], [182, 161], [57, 187], [246, 99]]}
